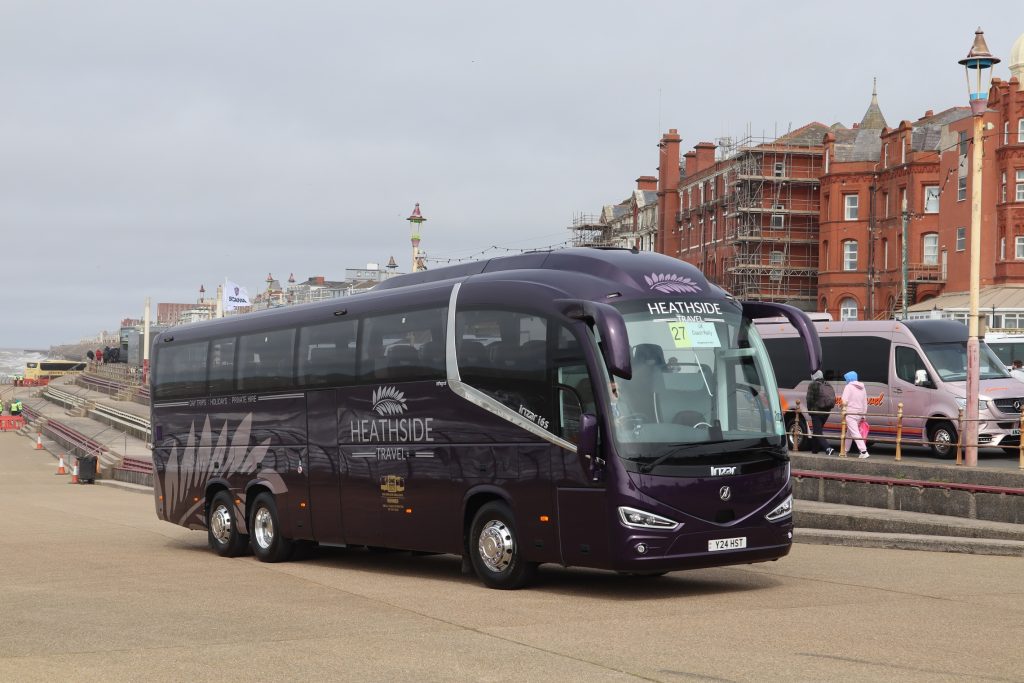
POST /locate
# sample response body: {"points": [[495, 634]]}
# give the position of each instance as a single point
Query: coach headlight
{"points": [[783, 509], [638, 519]]}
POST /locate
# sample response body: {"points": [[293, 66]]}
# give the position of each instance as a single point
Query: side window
{"points": [[571, 371], [327, 353], [403, 347], [504, 354], [222, 365], [868, 355], [180, 370], [266, 361], [909, 366], [789, 357]]}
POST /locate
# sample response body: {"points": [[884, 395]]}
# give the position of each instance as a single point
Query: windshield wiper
{"points": [[773, 451]]}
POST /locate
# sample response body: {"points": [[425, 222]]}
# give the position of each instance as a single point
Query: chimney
{"points": [[705, 152], [668, 192], [318, 280], [647, 182], [689, 163]]}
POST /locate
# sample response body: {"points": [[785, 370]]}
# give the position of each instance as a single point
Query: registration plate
{"points": [[1014, 432], [727, 543]]}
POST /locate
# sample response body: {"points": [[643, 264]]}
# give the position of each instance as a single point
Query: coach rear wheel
{"points": [[495, 551], [222, 529], [265, 529]]}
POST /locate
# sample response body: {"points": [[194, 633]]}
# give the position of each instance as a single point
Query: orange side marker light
{"points": [[545, 518]]}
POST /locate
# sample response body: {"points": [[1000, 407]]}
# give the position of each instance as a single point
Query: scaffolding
{"points": [[770, 210], [590, 230]]}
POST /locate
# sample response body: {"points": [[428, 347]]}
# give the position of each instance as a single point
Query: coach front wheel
{"points": [[494, 549], [265, 530]]}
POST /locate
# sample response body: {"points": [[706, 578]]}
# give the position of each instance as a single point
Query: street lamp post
{"points": [[978, 60]]}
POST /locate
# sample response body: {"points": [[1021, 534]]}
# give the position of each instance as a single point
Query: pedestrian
{"points": [[16, 407], [99, 356], [821, 399], [90, 355], [855, 399], [1018, 370]]}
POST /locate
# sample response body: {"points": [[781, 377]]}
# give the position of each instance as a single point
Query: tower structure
{"points": [[416, 218]]}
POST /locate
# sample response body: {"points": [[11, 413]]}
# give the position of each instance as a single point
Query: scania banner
{"points": [[235, 296]]}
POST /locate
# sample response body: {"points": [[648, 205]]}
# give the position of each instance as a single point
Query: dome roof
{"points": [[1017, 58]]}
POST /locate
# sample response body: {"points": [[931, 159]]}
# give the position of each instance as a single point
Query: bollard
{"points": [[899, 429], [796, 427], [959, 436], [842, 432], [1021, 441]]}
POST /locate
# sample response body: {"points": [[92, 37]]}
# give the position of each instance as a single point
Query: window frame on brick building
{"points": [[961, 239], [1020, 130], [849, 215], [850, 255], [961, 188], [779, 169], [930, 199], [1019, 194], [885, 253], [1006, 132], [1018, 247], [1002, 248], [848, 309], [930, 248], [1003, 188]]}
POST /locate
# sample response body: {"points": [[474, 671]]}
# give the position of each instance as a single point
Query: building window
{"points": [[701, 189], [885, 201], [776, 259], [903, 200], [1018, 244], [1020, 130], [903, 150], [1002, 186], [930, 249], [961, 188], [778, 220], [963, 144], [1020, 186], [1006, 132], [848, 309], [931, 198], [850, 206], [780, 169], [885, 156], [826, 161], [714, 224], [885, 254], [850, 255], [714, 188], [1002, 248], [824, 248], [961, 239]]}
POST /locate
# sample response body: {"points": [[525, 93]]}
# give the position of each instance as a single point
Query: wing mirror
{"points": [[612, 328], [586, 446]]}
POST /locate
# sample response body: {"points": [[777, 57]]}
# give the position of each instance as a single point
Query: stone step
{"points": [[855, 518]]}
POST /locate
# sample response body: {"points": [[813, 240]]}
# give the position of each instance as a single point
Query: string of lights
{"points": [[500, 251]]}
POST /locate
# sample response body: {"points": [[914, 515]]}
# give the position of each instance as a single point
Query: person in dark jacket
{"points": [[820, 401]]}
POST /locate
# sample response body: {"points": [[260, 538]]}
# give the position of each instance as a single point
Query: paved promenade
{"points": [[95, 588]]}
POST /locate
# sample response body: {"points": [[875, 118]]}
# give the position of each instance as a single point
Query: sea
{"points": [[12, 361]]}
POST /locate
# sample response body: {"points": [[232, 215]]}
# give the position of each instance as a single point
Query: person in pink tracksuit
{"points": [[856, 401]]}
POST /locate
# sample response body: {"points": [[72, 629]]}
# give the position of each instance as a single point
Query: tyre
{"points": [[495, 549], [1011, 450], [943, 438], [801, 442], [222, 527], [265, 531]]}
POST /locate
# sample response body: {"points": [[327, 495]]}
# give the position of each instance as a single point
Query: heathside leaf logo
{"points": [[669, 283], [388, 401]]}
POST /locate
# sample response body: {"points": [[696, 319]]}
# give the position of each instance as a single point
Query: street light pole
{"points": [[978, 59]]}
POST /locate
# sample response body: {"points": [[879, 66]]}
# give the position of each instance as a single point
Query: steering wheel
{"points": [[702, 424], [633, 420]]}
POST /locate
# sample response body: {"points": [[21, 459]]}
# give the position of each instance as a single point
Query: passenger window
{"points": [[910, 367], [222, 366], [180, 370], [327, 353], [404, 347], [504, 354], [266, 361], [571, 369]]}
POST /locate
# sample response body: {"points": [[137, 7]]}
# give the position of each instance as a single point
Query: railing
{"points": [[138, 426], [899, 441]]}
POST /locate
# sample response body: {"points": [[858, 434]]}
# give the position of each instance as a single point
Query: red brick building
{"points": [[748, 214]]}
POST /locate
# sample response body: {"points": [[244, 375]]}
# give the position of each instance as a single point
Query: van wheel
{"points": [[222, 528], [265, 531], [943, 440], [801, 442], [495, 551]]}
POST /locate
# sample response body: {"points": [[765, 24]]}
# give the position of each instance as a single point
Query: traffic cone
{"points": [[39, 441], [60, 467], [74, 472]]}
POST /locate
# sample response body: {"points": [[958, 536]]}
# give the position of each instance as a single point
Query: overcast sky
{"points": [[150, 147]]}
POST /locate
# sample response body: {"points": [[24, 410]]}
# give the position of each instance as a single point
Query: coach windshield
{"points": [[701, 376]]}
